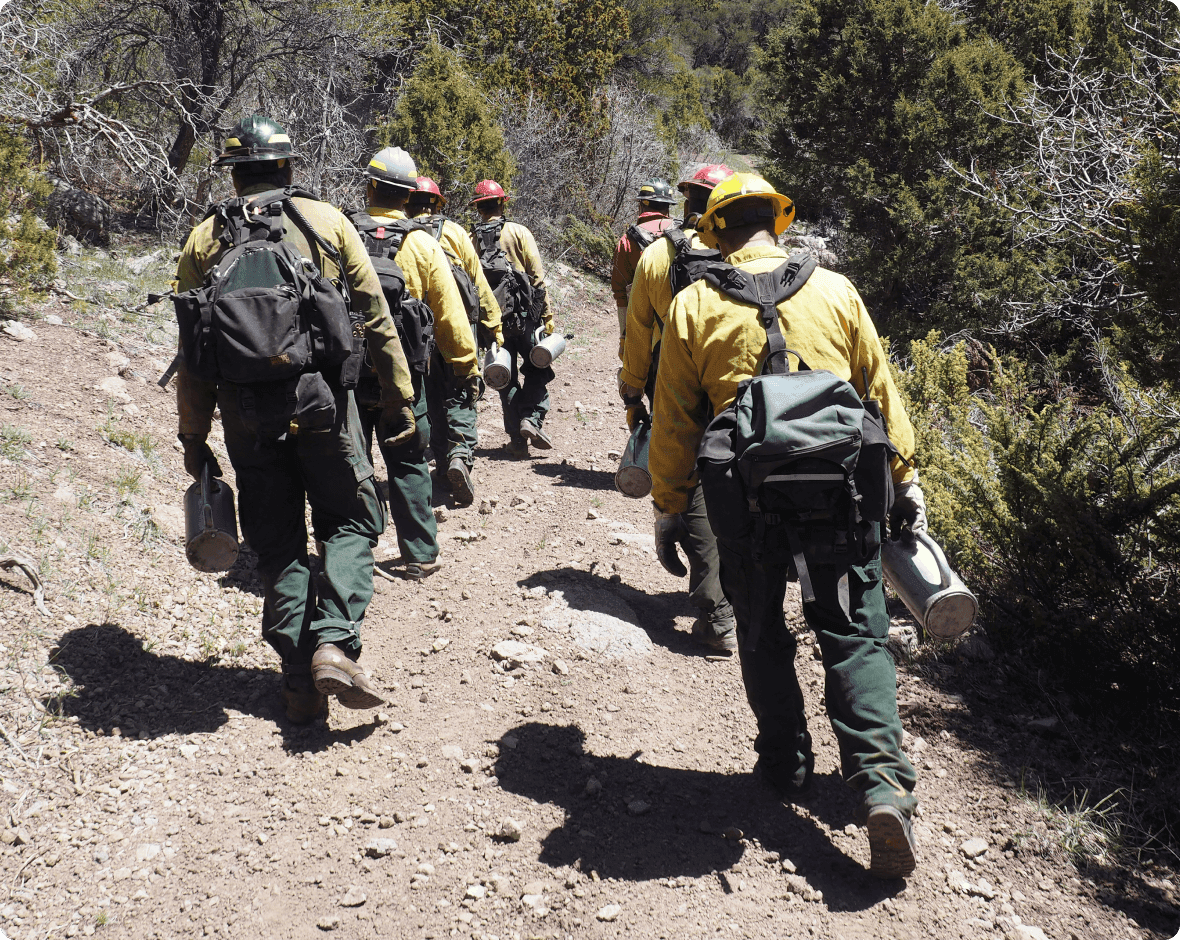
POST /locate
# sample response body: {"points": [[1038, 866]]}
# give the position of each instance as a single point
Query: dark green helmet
{"points": [[256, 139], [656, 190], [393, 167]]}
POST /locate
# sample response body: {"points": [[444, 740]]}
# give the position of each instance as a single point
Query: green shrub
{"points": [[27, 258], [442, 119], [587, 245], [1064, 516]]}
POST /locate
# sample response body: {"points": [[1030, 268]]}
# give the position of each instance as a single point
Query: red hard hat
{"points": [[706, 177], [427, 185], [488, 189]]}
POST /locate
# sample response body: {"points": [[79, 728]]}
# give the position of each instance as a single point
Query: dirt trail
{"points": [[593, 781]]}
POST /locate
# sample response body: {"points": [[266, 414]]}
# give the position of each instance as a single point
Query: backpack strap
{"points": [[489, 238], [766, 290], [439, 221], [640, 237], [676, 236]]}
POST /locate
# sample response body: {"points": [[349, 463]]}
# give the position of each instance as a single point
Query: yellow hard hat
{"points": [[741, 186]]}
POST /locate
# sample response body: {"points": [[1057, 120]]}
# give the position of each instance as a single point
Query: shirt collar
{"points": [[754, 252], [394, 214], [649, 215]]}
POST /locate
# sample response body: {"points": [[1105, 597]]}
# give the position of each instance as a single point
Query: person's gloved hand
{"points": [[909, 508], [197, 454], [549, 328], [396, 426], [670, 530], [629, 393], [471, 389], [635, 414]]}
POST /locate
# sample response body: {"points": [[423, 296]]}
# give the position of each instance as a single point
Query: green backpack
{"points": [[799, 464]]}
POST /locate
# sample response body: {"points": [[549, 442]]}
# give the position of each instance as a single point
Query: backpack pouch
{"points": [[315, 404], [725, 498], [874, 470], [258, 335], [194, 314]]}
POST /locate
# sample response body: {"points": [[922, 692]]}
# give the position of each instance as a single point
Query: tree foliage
{"points": [[27, 259], [448, 126]]}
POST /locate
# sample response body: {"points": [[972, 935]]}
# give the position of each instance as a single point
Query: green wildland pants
{"points": [[528, 399], [861, 681], [331, 472], [452, 418], [704, 568], [409, 481]]}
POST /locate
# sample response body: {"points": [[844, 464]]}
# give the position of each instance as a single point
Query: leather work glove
{"points": [[549, 328], [471, 389], [197, 454], [670, 530], [909, 508], [635, 414], [397, 425]]}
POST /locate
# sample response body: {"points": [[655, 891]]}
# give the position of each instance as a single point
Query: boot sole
{"points": [[336, 682], [461, 487], [537, 439], [891, 848]]}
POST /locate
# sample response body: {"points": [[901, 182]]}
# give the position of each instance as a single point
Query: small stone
{"points": [[476, 892], [498, 882], [516, 653], [147, 851], [452, 752], [522, 631], [354, 897], [328, 923], [561, 667], [385, 822], [441, 514], [609, 913], [982, 889], [53, 320], [121, 874], [380, 848], [510, 829], [973, 848], [733, 833], [485, 507], [520, 502], [22, 837], [342, 771], [102, 855], [7, 837], [1028, 932], [189, 751], [262, 838], [788, 866], [638, 807], [469, 766], [396, 727], [593, 786], [958, 882], [18, 331], [593, 514], [117, 361], [440, 644]]}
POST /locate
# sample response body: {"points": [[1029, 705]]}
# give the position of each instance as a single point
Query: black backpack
{"points": [[265, 313], [688, 264], [412, 317], [512, 288], [467, 289], [799, 464], [641, 237], [267, 321]]}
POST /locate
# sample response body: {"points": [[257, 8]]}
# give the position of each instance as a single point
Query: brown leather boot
{"points": [[336, 674], [303, 705]]}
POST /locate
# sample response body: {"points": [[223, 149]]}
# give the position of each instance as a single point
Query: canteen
{"points": [[546, 348], [497, 368], [210, 524], [918, 571], [632, 478]]}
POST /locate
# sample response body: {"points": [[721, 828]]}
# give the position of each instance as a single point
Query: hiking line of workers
{"points": [[315, 331]]}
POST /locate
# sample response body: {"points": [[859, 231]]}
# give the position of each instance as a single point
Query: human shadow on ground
{"points": [[683, 830], [120, 684], [582, 478], [655, 614]]}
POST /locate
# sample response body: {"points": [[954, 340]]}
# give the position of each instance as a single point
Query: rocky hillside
{"points": [[557, 759]]}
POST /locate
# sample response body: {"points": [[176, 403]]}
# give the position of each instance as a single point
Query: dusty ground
{"points": [[151, 788]]}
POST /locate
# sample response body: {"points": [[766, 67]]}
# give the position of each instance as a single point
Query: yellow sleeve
{"points": [[641, 319], [428, 276], [489, 309], [679, 415], [868, 354], [367, 298]]}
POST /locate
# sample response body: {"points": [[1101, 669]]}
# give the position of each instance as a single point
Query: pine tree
{"points": [[27, 259], [443, 121]]}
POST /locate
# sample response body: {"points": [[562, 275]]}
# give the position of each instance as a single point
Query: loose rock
{"points": [[516, 653], [328, 923], [381, 848], [510, 829], [355, 897], [609, 913], [973, 848]]}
